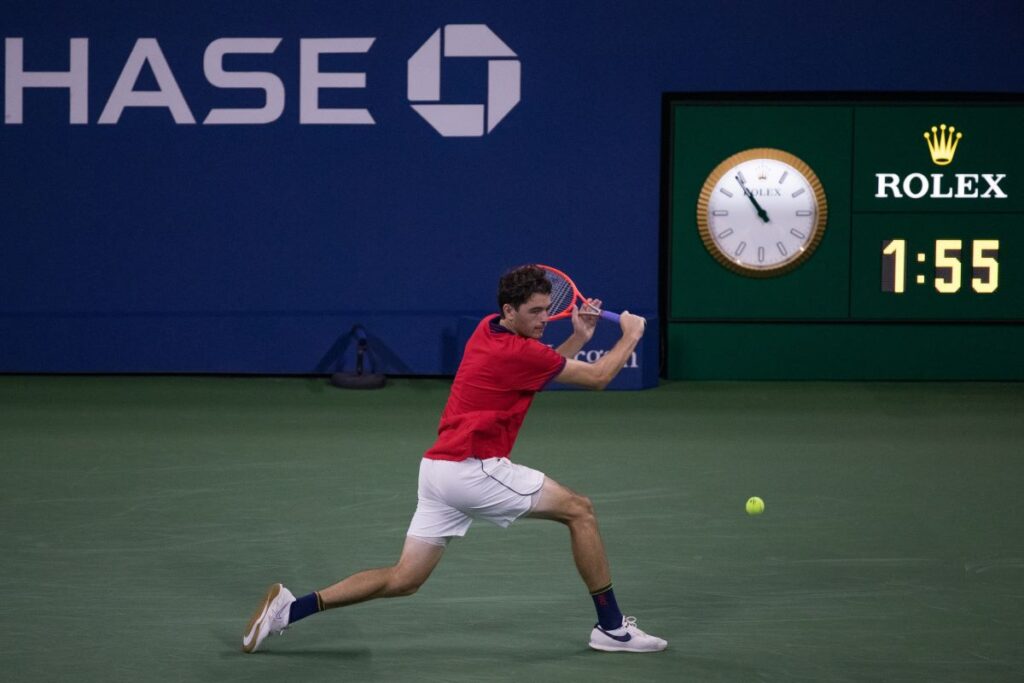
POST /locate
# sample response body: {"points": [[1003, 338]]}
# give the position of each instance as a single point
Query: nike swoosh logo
{"points": [[252, 633], [254, 625], [622, 639]]}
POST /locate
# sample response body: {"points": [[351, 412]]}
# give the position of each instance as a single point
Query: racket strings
{"points": [[562, 294]]}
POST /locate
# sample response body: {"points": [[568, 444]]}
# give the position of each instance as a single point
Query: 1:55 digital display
{"points": [[937, 268], [948, 265]]}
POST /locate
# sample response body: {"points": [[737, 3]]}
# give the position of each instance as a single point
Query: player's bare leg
{"points": [[613, 632], [564, 505], [414, 567], [280, 608]]}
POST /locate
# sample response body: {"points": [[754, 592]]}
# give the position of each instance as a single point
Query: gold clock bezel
{"points": [[821, 211]]}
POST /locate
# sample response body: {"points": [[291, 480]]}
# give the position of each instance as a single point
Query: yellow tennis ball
{"points": [[755, 506]]}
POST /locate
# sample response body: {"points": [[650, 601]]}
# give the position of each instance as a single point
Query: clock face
{"points": [[762, 212]]}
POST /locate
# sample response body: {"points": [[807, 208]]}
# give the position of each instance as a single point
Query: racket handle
{"points": [[612, 317]]}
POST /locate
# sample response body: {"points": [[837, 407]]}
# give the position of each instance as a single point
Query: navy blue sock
{"points": [[304, 606], [608, 615]]}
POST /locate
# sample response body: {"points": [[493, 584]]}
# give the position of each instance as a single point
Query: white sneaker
{"points": [[626, 638], [270, 617]]}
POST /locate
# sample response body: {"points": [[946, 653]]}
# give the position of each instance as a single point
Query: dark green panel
{"points": [[705, 135], [845, 351], [921, 300], [867, 330], [890, 139]]}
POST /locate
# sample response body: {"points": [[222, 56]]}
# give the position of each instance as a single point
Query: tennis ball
{"points": [[755, 506]]}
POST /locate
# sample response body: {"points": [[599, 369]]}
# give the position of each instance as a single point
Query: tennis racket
{"points": [[565, 295]]}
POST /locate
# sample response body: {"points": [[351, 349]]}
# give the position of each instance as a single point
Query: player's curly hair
{"points": [[519, 284]]}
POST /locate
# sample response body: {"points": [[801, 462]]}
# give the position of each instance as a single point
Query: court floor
{"points": [[141, 519]]}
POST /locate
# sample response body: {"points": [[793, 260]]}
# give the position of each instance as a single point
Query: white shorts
{"points": [[453, 494]]}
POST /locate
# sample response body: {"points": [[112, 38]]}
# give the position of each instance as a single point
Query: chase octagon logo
{"points": [[503, 80]]}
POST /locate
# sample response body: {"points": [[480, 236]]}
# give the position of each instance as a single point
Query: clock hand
{"points": [[750, 195]]}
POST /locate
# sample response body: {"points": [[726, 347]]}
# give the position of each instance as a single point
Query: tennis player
{"points": [[467, 475]]}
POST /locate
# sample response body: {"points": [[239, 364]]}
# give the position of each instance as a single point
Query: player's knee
{"points": [[403, 585], [404, 590], [582, 509]]}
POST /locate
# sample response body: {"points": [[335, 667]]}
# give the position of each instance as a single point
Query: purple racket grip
{"points": [[608, 315]]}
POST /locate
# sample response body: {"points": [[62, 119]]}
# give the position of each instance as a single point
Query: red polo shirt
{"points": [[494, 387]]}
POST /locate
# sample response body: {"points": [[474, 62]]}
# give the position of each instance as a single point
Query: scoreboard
{"points": [[847, 236]]}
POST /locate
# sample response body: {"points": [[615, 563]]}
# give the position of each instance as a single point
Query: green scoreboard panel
{"points": [[846, 236]]}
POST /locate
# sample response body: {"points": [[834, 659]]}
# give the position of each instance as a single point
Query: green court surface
{"points": [[143, 517]]}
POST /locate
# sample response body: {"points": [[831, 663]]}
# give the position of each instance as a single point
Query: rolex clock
{"points": [[762, 212]]}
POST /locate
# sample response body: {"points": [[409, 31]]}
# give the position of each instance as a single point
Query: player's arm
{"points": [[597, 375], [584, 321]]}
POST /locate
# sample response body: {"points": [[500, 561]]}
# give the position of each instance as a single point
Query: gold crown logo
{"points": [[942, 143]]}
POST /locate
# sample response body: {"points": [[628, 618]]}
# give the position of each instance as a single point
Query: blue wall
{"points": [[153, 246]]}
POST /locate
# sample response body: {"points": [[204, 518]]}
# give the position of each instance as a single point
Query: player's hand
{"points": [[632, 325], [584, 320]]}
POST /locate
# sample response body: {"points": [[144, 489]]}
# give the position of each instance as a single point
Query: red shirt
{"points": [[494, 387]]}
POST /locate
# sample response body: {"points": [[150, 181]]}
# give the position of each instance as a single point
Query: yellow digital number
{"points": [[984, 258], [947, 265], [894, 266]]}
